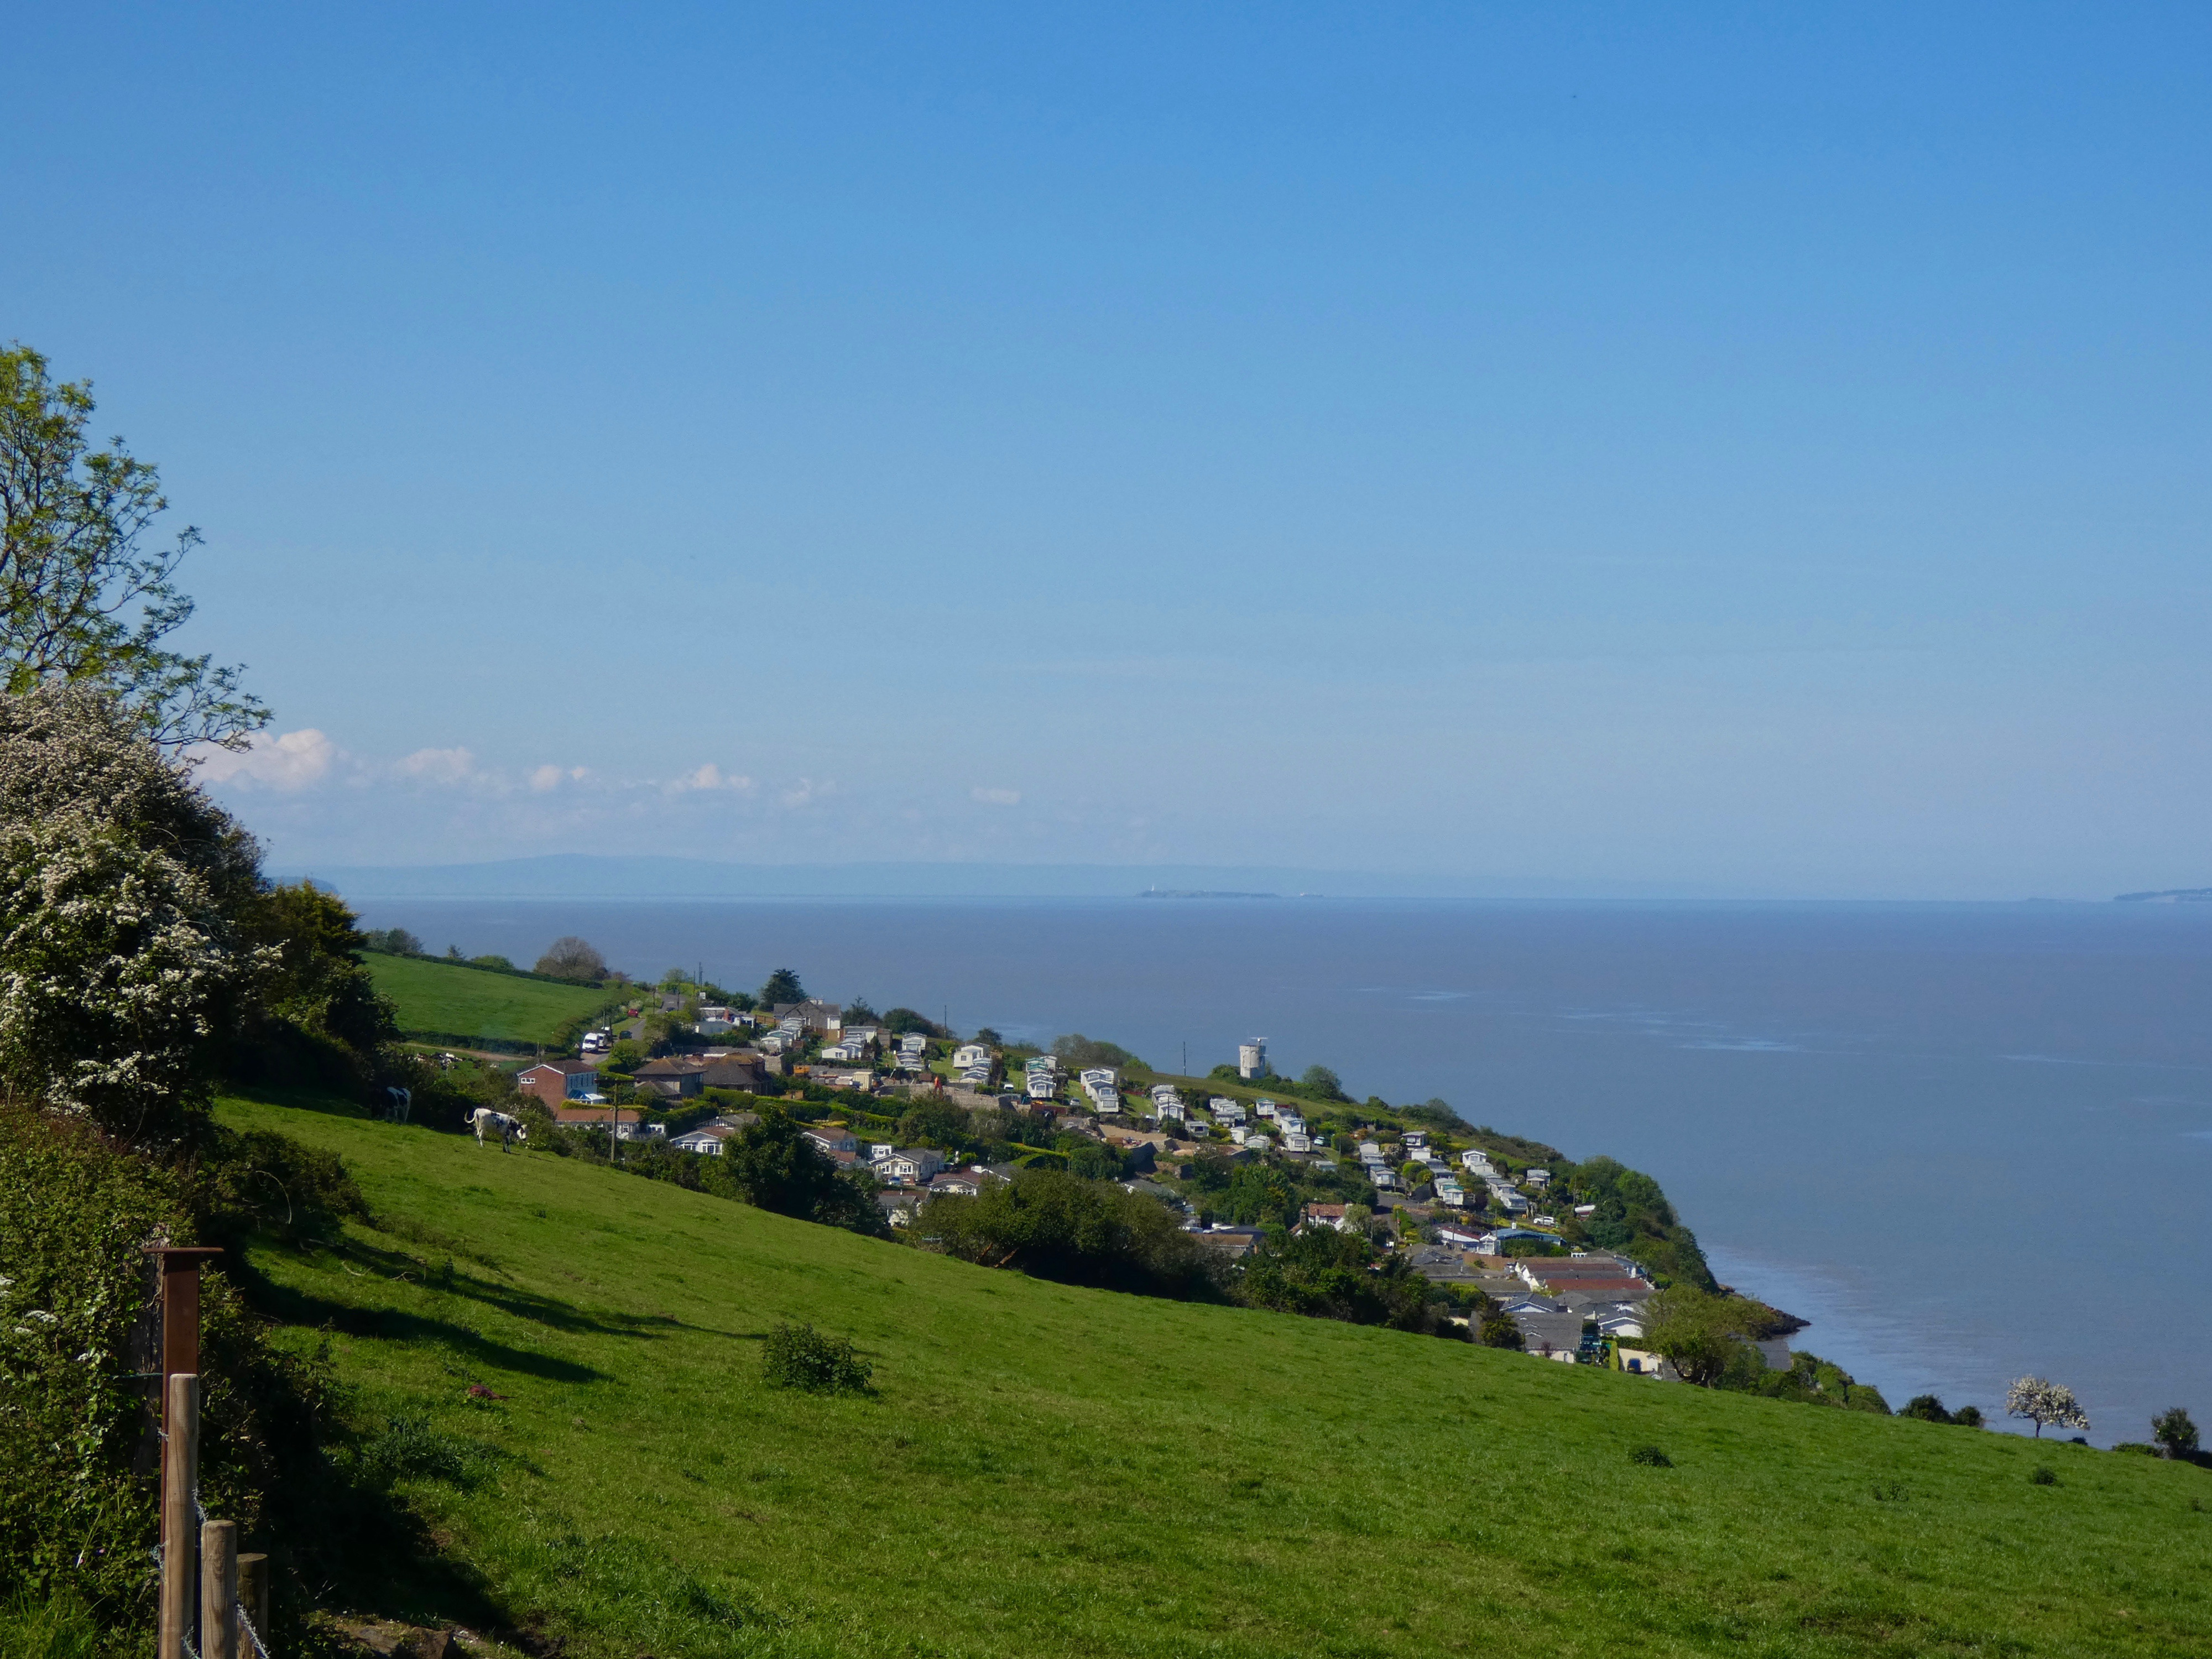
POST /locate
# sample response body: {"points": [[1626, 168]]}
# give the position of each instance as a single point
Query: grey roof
{"points": [[1563, 1330]]}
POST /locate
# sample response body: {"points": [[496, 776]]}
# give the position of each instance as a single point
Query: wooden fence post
{"points": [[180, 1479], [219, 1589], [253, 1596]]}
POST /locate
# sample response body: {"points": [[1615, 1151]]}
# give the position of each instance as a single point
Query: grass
{"points": [[1038, 1469], [454, 1000]]}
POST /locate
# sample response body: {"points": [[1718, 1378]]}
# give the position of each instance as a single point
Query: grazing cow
{"points": [[486, 1122], [397, 1103]]}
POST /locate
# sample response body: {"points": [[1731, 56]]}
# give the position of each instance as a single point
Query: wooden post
{"points": [[219, 1589], [180, 1477], [253, 1596], [181, 1351]]}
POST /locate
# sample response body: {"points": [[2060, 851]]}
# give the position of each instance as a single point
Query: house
{"points": [[832, 1137], [1538, 1179], [1295, 1142], [1450, 1192], [1415, 1140], [1494, 1243], [735, 1070], [1259, 1140], [678, 1077], [898, 1208], [971, 1053], [1234, 1242], [1042, 1085], [955, 1183], [627, 1123], [909, 1166], [1324, 1215], [707, 1139], [553, 1081], [717, 1016], [1550, 1335], [812, 1015], [1264, 1107]]}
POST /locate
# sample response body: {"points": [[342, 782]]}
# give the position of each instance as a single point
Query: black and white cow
{"points": [[487, 1123]]}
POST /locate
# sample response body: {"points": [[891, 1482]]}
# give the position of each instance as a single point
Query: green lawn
{"points": [[1047, 1470], [452, 999]]}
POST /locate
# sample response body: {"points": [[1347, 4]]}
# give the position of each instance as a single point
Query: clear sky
{"points": [[1761, 447]]}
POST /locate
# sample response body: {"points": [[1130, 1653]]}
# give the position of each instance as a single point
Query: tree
{"points": [[1927, 1407], [1081, 1053], [570, 958], [83, 600], [2040, 1401], [782, 987], [1322, 1083], [393, 941], [2173, 1431], [1700, 1333], [934, 1122], [314, 1014]]}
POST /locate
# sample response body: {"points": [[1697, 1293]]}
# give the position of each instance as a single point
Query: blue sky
{"points": [[1762, 449]]}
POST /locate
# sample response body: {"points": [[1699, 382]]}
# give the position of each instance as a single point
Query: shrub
{"points": [[1651, 1457], [2042, 1477], [801, 1356]]}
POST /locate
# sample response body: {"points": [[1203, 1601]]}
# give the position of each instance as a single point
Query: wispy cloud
{"points": [[710, 777], [805, 793], [440, 765], [996, 796], [546, 778]]}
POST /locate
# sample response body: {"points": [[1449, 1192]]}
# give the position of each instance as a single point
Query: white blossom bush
{"points": [[119, 969], [115, 977]]}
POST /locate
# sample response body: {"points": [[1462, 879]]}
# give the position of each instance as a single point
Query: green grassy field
{"points": [[1047, 1470], [455, 1000]]}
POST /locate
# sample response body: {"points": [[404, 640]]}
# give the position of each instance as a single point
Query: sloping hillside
{"points": [[452, 1001], [1048, 1470]]}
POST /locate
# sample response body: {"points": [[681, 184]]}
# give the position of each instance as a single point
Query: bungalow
{"points": [[955, 1183], [1551, 1335], [898, 1208], [736, 1069], [1234, 1242], [832, 1137], [1415, 1140], [1325, 1215], [813, 1014], [553, 1081], [675, 1078], [707, 1139], [628, 1123], [971, 1053], [1293, 1141], [909, 1166]]}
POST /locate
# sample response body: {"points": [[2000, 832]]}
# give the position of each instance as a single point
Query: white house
{"points": [[1295, 1142], [971, 1053], [909, 1165], [1264, 1107]]}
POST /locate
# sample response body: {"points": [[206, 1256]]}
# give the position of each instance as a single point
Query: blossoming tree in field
{"points": [[2040, 1401]]}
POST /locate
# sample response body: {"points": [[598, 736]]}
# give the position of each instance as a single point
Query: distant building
{"points": [[1252, 1059]]}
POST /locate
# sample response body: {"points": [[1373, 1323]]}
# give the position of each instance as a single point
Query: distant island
{"points": [[1191, 892], [2169, 895]]}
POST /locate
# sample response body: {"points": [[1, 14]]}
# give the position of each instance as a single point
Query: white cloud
{"points": [[440, 765], [291, 761], [710, 777], [996, 796], [805, 792], [552, 777]]}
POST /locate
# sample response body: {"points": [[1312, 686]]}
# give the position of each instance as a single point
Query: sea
{"points": [[1967, 1142]]}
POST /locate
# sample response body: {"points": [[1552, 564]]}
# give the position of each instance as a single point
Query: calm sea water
{"points": [[1967, 1142]]}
